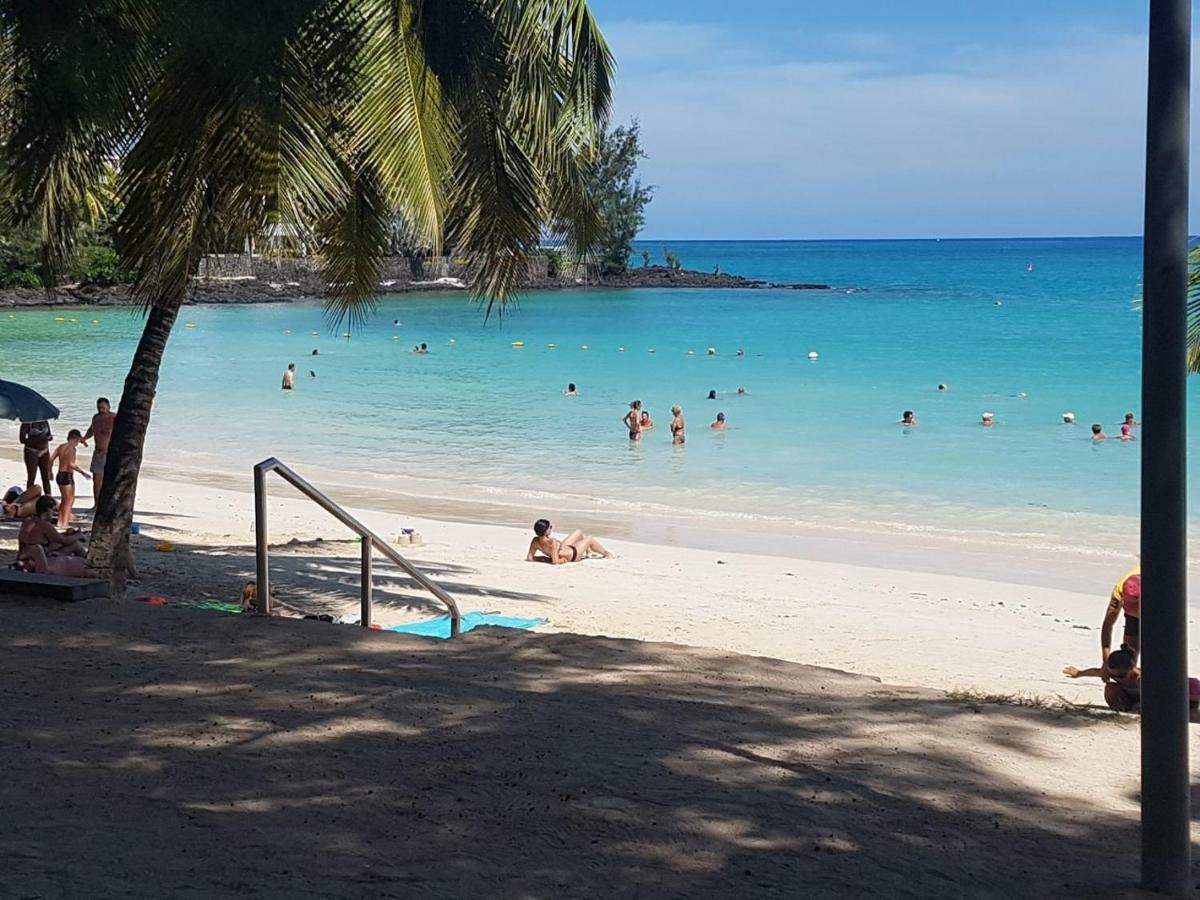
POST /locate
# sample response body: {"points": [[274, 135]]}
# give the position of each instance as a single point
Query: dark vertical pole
{"points": [[1166, 862], [365, 590]]}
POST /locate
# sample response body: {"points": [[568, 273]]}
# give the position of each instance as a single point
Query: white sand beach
{"points": [[898, 614], [183, 752]]}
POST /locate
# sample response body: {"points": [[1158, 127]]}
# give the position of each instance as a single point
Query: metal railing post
{"points": [[262, 582], [366, 582], [370, 541]]}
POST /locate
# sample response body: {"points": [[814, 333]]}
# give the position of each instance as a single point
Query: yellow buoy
{"points": [[190, 325], [518, 343], [165, 547], [59, 319]]}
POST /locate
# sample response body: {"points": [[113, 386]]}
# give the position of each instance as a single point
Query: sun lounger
{"points": [[52, 587]]}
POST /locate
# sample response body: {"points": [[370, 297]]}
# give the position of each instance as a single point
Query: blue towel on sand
{"points": [[440, 627]]}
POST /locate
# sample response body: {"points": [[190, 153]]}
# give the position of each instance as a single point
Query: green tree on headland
{"points": [[619, 196], [476, 119]]}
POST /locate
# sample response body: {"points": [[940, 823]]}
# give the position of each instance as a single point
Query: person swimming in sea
{"points": [[1098, 433], [718, 425], [987, 420], [633, 420], [570, 391], [575, 547], [645, 421], [1127, 432], [741, 392], [908, 418], [712, 395]]}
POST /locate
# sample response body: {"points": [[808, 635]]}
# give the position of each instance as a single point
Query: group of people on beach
{"points": [[41, 547], [1119, 668]]}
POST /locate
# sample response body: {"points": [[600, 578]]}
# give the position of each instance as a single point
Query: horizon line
{"points": [[839, 240]]}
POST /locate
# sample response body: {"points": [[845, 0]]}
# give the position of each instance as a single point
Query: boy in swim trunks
{"points": [[633, 420], [1126, 595], [64, 456]]}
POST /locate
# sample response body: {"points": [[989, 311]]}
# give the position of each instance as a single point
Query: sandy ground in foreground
{"points": [[912, 627], [158, 752]]}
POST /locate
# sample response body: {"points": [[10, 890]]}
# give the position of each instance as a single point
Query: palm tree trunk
{"points": [[109, 553]]}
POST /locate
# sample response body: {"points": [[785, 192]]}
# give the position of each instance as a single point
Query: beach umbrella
{"points": [[24, 403]]}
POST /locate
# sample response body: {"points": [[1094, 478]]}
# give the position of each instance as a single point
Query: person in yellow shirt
{"points": [[1126, 596]]}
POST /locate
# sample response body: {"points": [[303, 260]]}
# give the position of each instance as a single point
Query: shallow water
{"points": [[812, 441]]}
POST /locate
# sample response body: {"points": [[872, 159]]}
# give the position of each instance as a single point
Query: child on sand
{"points": [[64, 457], [1123, 684]]}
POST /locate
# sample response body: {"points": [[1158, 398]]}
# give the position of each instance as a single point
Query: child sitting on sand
{"points": [[1123, 687]]}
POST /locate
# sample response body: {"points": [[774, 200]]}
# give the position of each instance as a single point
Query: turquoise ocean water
{"points": [[812, 442]]}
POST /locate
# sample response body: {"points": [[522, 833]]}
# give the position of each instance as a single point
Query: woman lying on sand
{"points": [[577, 546], [18, 504], [41, 549]]}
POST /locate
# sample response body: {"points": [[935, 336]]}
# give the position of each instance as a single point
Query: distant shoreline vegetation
{"points": [[256, 279]]}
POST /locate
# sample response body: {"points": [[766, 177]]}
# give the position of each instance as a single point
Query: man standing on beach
{"points": [[101, 430]]}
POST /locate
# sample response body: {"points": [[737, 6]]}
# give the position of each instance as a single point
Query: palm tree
{"points": [[474, 119], [1193, 312]]}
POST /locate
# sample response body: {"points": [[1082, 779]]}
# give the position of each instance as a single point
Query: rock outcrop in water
{"points": [[303, 284]]}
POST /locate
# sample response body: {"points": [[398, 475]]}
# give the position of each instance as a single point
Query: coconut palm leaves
{"points": [[472, 119]]}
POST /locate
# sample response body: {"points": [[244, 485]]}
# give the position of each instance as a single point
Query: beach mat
{"points": [[440, 627]]}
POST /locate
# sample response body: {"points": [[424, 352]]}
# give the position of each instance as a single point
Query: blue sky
{"points": [[864, 118]]}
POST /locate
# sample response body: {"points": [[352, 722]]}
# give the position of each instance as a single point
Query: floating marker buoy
{"points": [[94, 321], [814, 355], [551, 346], [584, 347], [453, 341], [189, 325], [620, 349], [518, 343], [59, 319], [691, 353], [997, 303], [313, 333], [346, 334], [73, 321], [289, 331], [712, 351], [651, 350], [395, 337]]}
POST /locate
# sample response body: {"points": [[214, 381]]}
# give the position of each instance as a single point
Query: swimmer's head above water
{"points": [[712, 395]]}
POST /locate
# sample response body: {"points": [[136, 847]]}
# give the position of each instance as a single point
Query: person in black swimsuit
{"points": [[576, 546]]}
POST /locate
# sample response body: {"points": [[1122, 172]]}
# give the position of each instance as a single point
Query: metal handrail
{"points": [[370, 540]]}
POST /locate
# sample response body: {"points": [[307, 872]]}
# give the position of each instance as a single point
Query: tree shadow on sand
{"points": [[165, 752]]}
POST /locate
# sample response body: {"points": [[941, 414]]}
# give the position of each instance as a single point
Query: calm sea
{"points": [[811, 441]]}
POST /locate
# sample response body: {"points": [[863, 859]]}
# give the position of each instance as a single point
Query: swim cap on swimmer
{"points": [[1068, 417]]}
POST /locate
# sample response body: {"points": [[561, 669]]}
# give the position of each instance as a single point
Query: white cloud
{"points": [[746, 142]]}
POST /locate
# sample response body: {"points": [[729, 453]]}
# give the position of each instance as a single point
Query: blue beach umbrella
{"points": [[24, 404]]}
